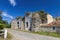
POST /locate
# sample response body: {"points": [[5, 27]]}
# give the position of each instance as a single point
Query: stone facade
{"points": [[32, 22], [36, 21], [14, 24], [48, 29], [51, 27], [28, 21], [17, 24]]}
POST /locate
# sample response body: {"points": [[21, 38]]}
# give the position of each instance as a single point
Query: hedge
{"points": [[2, 26]]}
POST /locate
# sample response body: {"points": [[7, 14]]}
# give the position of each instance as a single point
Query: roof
{"points": [[54, 23]]}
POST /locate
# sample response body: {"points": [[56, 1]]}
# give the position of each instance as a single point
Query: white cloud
{"points": [[7, 15], [12, 2]]}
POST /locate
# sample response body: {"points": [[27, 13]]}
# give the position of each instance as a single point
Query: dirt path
{"points": [[18, 35]]}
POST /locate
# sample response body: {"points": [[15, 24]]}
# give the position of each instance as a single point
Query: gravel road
{"points": [[18, 35]]}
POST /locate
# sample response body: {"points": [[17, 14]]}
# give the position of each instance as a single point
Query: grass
{"points": [[1, 38], [9, 37], [53, 34]]}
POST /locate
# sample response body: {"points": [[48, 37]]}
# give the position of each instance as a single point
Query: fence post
{"points": [[5, 33]]}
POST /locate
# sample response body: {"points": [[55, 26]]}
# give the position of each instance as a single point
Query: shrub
{"points": [[8, 26], [2, 26]]}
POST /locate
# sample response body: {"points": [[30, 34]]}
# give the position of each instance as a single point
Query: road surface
{"points": [[18, 35]]}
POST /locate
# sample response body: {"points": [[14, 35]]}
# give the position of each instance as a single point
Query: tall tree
{"points": [[42, 16], [0, 15]]}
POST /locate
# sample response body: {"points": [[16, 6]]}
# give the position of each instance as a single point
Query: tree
{"points": [[0, 15], [3, 23], [57, 18], [18, 17], [42, 16], [2, 26]]}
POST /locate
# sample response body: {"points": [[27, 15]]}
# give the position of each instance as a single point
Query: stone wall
{"points": [[47, 29], [14, 24], [58, 29], [28, 22], [36, 22]]}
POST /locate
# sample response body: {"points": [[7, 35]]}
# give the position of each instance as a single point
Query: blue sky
{"points": [[14, 8]]}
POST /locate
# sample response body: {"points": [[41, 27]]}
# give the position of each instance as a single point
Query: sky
{"points": [[13, 8]]}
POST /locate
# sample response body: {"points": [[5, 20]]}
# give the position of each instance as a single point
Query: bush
{"points": [[2, 26], [8, 26]]}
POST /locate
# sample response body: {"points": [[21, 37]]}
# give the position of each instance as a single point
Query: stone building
{"points": [[28, 18], [17, 24], [36, 21], [32, 22], [14, 24], [51, 27]]}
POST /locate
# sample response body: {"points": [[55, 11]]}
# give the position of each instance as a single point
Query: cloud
{"points": [[7, 15], [12, 2]]}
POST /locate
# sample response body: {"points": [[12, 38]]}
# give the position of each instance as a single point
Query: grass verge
{"points": [[9, 37], [53, 34]]}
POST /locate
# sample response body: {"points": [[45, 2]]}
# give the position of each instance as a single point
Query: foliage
{"points": [[3, 23], [0, 15], [57, 18], [54, 34], [2, 26], [9, 37], [43, 16], [18, 17], [8, 26], [27, 13]]}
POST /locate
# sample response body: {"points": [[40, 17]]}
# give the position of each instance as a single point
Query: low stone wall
{"points": [[47, 29]]}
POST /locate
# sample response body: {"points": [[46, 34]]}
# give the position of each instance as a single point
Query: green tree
{"points": [[0, 15], [2, 26], [3, 23], [18, 17], [43, 16]]}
